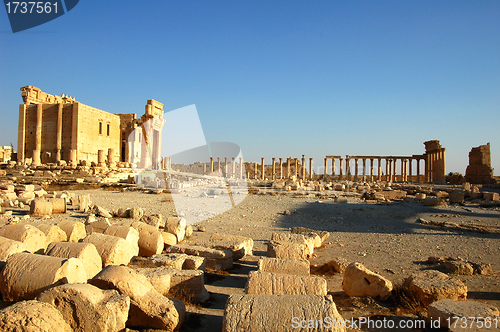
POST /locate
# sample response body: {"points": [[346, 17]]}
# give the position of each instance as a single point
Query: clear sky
{"points": [[279, 78]]}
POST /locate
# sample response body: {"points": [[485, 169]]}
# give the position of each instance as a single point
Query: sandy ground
{"points": [[386, 238]]}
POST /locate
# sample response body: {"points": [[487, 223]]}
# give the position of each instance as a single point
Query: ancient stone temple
{"points": [[5, 153], [56, 128], [435, 162], [479, 169]]}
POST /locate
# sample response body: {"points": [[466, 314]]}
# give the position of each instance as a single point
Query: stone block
{"points": [[280, 313], [491, 196], [148, 308], [53, 233], [456, 197], [96, 225], [216, 259], [32, 316], [33, 238], [169, 239], [459, 267], [75, 230], [282, 237], [39, 207], [176, 226], [432, 201], [9, 247], [429, 286], [359, 281], [287, 266], [445, 309], [86, 252], [128, 233], [112, 249], [88, 308], [26, 275], [150, 239], [240, 246], [154, 220], [287, 250], [279, 284]]}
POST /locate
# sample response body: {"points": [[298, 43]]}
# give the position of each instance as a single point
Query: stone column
{"points": [[402, 169], [59, 131], [263, 168], [310, 168], [410, 170], [111, 157], [296, 172], [364, 169], [387, 170], [233, 171], [241, 168], [303, 175], [348, 167], [418, 170], [225, 166], [38, 136], [288, 168], [212, 164], [356, 169], [333, 169], [100, 158], [371, 170], [326, 168], [73, 153], [21, 134], [218, 164], [340, 169], [255, 170], [281, 168], [274, 168]]}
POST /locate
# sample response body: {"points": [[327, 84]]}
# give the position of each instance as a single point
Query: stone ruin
{"points": [[479, 169]]}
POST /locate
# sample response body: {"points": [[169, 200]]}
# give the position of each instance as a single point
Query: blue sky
{"points": [[279, 78]]}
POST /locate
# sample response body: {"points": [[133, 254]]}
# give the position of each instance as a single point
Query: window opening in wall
{"points": [[107, 130], [100, 128]]}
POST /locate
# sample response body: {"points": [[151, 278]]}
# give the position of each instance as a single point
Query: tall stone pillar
{"points": [[333, 169], [380, 169], [21, 134], [326, 169], [255, 171], [59, 131], [371, 169], [241, 168], [288, 168], [403, 169], [233, 171], [387, 170], [100, 158], [348, 167], [274, 169], [364, 169], [303, 175], [38, 136], [225, 167], [410, 161], [263, 168], [281, 168], [418, 170], [296, 172], [212, 164], [340, 169], [218, 164], [111, 158], [356, 169], [310, 168]]}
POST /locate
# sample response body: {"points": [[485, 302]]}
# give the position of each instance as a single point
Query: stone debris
{"points": [[154, 220], [298, 267], [429, 286], [278, 312], [127, 233], [323, 235], [148, 308], [338, 265], [58, 205], [88, 308], [96, 225], [86, 252], [40, 207], [216, 259], [100, 211], [112, 249], [136, 213], [287, 250], [282, 237], [359, 281], [445, 309], [169, 239], [176, 226], [9, 247], [474, 227], [32, 316], [75, 230], [240, 246], [150, 239], [26, 275], [279, 284], [33, 238], [53, 233]]}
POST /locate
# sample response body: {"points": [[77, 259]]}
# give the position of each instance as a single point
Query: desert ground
{"points": [[386, 237]]}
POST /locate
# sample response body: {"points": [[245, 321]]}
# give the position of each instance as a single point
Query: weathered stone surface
{"points": [[359, 281], [84, 203], [175, 261], [96, 225], [429, 286], [216, 259], [432, 201], [287, 250], [33, 238], [491, 196], [459, 267], [282, 237], [323, 235], [186, 284], [279, 313], [39, 207], [194, 263], [26, 275], [148, 308], [31, 316], [125, 232], [112, 249], [136, 213], [176, 226], [169, 239], [448, 309], [288, 266], [86, 252], [53, 233], [150, 239], [58, 205], [456, 197], [278, 284], [240, 246], [88, 308], [155, 220], [75, 230], [100, 211], [9, 247]]}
